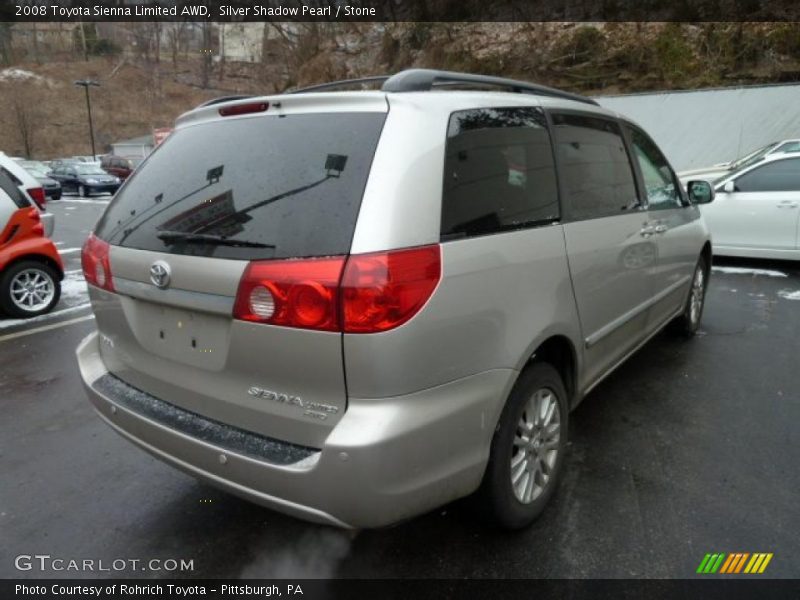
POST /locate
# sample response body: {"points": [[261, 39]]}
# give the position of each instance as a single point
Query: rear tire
{"points": [[688, 322], [527, 451], [29, 289]]}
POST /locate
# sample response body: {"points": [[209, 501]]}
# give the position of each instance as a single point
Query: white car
{"points": [[29, 186], [756, 212], [727, 168]]}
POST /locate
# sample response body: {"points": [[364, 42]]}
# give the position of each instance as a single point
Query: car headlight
{"points": [[117, 180], [91, 181]]}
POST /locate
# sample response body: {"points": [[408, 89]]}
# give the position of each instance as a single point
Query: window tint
{"points": [[9, 186], [597, 180], [659, 180], [271, 187], [778, 176], [788, 147], [14, 179], [499, 172]]}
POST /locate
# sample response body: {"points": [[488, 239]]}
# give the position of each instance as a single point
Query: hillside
{"points": [[46, 113]]}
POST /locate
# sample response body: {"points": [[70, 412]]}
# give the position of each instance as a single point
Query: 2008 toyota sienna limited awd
{"points": [[356, 306]]}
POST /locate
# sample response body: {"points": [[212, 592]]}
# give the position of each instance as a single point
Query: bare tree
{"points": [[205, 65], [5, 42], [177, 39], [26, 118]]}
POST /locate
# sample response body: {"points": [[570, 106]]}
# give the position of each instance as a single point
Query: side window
{"points": [[14, 179], [778, 176], [597, 179], [499, 173], [659, 180], [787, 147], [8, 185]]}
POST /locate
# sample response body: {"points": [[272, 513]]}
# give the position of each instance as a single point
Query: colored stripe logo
{"points": [[734, 563]]}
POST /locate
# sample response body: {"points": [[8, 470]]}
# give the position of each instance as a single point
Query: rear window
{"points": [[281, 186]]}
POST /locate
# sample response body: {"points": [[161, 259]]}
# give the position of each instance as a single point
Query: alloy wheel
{"points": [[536, 445], [32, 290], [698, 293]]}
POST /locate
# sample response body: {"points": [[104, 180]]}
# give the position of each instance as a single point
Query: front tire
{"points": [[688, 322], [527, 451], [29, 289]]}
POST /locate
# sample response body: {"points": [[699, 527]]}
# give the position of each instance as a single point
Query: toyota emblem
{"points": [[159, 274]]}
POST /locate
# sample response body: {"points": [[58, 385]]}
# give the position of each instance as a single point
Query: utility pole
{"points": [[86, 83]]}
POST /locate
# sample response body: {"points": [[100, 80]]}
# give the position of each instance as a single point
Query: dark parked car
{"points": [[121, 166], [52, 188], [85, 179]]}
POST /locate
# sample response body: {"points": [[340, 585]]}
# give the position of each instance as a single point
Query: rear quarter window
{"points": [[499, 172], [291, 183], [9, 184]]}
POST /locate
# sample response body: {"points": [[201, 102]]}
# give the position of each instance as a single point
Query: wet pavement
{"points": [[690, 447]]}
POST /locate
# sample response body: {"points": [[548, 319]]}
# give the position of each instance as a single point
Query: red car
{"points": [[30, 266], [121, 166]]}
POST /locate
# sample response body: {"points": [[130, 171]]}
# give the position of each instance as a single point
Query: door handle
{"points": [[787, 204]]}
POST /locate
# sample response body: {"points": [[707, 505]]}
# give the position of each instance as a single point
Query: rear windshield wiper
{"points": [[207, 238]]}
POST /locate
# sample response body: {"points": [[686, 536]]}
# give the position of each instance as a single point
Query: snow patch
{"points": [[789, 294], [68, 251], [73, 288], [12, 74], [82, 201], [743, 271]]}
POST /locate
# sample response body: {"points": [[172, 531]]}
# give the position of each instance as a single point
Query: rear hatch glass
{"points": [[272, 186], [211, 198]]}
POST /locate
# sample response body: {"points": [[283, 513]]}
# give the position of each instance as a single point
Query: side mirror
{"points": [[729, 187], [700, 192]]}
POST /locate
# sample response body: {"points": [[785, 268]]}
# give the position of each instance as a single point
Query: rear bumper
{"points": [[384, 461], [54, 193]]}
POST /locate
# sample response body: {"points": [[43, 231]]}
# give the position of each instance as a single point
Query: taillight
{"points": [[293, 293], [365, 293], [96, 263], [38, 196], [383, 290], [243, 109]]}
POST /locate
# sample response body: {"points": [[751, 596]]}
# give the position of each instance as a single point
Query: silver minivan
{"points": [[354, 307]]}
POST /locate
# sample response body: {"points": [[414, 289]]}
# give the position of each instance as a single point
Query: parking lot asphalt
{"points": [[690, 447]]}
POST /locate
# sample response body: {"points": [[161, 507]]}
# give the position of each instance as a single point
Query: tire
{"points": [[82, 192], [15, 282], [511, 506], [688, 322]]}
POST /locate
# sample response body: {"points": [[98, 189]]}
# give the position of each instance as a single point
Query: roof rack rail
{"points": [[222, 99], [340, 84], [423, 80]]}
